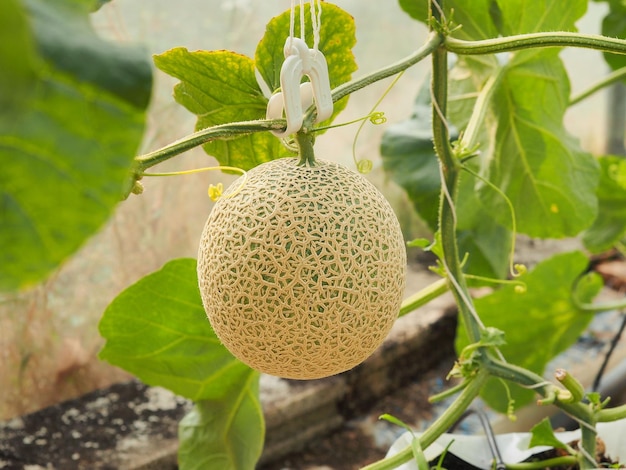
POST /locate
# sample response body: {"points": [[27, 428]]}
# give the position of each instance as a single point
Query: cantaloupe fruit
{"points": [[302, 268]]}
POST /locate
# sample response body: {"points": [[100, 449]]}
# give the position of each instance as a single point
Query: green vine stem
{"points": [[537, 383], [611, 414], [582, 413], [450, 170], [148, 160], [424, 296], [600, 307], [532, 40], [439, 426], [611, 78], [588, 446], [434, 41], [595, 307]]}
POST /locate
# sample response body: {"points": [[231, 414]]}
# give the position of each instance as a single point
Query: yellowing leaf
{"points": [[220, 87]]}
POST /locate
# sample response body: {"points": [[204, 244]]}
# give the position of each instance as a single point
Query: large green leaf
{"points": [[65, 38], [525, 148], [66, 153], [18, 59], [610, 225], [336, 40], [157, 329], [549, 179], [220, 87], [225, 433], [539, 323]]}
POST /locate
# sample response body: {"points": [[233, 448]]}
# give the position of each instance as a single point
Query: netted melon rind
{"points": [[302, 271]]}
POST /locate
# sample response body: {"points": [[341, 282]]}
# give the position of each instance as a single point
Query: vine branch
{"points": [[532, 40], [424, 296], [450, 169], [432, 43], [234, 129], [611, 78]]}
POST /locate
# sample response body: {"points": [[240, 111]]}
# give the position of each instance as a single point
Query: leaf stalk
{"points": [[610, 79], [424, 296]]}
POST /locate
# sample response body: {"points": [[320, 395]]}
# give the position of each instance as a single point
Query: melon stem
{"points": [[305, 146]]}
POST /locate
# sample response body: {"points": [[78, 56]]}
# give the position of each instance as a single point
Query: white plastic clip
{"points": [[294, 96]]}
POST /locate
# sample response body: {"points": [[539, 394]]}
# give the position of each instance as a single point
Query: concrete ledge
{"points": [[134, 426]]}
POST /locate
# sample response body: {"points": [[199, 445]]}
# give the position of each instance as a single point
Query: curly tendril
{"points": [[378, 118], [515, 270]]}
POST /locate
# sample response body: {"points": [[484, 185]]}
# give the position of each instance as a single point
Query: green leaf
{"points": [[416, 10], [226, 432], [526, 151], [549, 179], [540, 323], [220, 87], [530, 16], [157, 329], [543, 435], [609, 227], [65, 38], [614, 25], [18, 59], [409, 158], [67, 151]]}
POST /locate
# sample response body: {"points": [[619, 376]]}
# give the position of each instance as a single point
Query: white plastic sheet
{"points": [[513, 447]]}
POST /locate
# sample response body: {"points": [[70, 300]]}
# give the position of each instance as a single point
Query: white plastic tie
{"points": [[296, 96]]}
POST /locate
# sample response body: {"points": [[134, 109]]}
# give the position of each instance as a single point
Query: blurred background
{"points": [[49, 337]]}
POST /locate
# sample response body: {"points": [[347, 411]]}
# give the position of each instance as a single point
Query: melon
{"points": [[302, 268]]}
